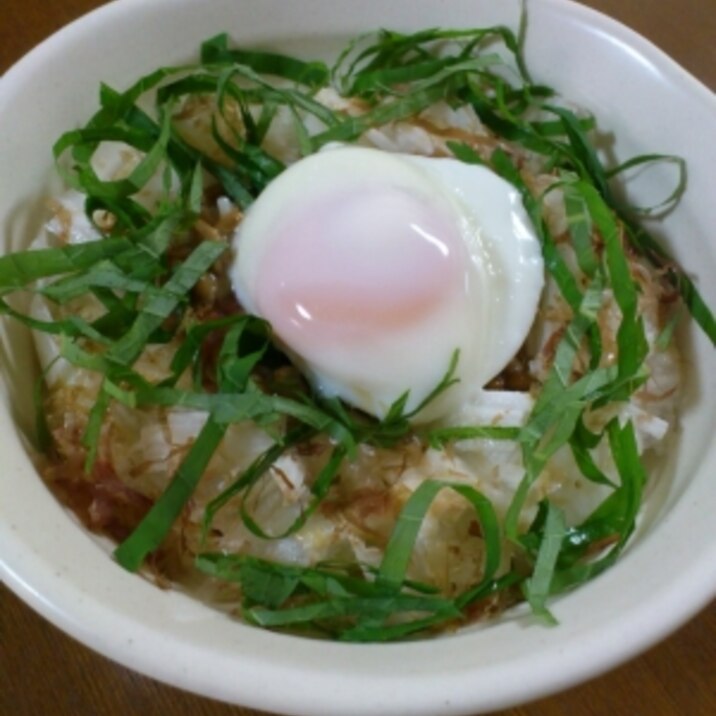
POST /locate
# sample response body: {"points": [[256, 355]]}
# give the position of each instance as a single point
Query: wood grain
{"points": [[42, 671]]}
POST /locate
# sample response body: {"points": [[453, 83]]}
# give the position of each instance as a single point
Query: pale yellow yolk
{"points": [[355, 265]]}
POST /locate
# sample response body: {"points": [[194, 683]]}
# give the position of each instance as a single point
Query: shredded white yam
{"points": [[403, 138]]}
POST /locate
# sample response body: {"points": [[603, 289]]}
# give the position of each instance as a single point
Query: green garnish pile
{"points": [[144, 289]]}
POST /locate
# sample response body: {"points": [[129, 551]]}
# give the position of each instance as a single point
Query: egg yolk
{"points": [[355, 265]]}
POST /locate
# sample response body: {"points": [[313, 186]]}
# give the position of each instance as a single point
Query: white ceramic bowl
{"points": [[668, 573]]}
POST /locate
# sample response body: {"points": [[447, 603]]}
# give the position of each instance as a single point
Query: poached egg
{"points": [[373, 268]]}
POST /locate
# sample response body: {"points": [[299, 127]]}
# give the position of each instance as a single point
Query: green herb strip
{"points": [[153, 529], [162, 301], [537, 587], [217, 51]]}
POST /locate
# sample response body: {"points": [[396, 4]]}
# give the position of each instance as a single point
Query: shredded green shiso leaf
{"points": [[145, 296]]}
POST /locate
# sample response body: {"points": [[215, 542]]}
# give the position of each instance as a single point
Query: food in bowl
{"points": [[249, 459]]}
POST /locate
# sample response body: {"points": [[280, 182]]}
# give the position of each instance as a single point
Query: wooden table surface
{"points": [[43, 672]]}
